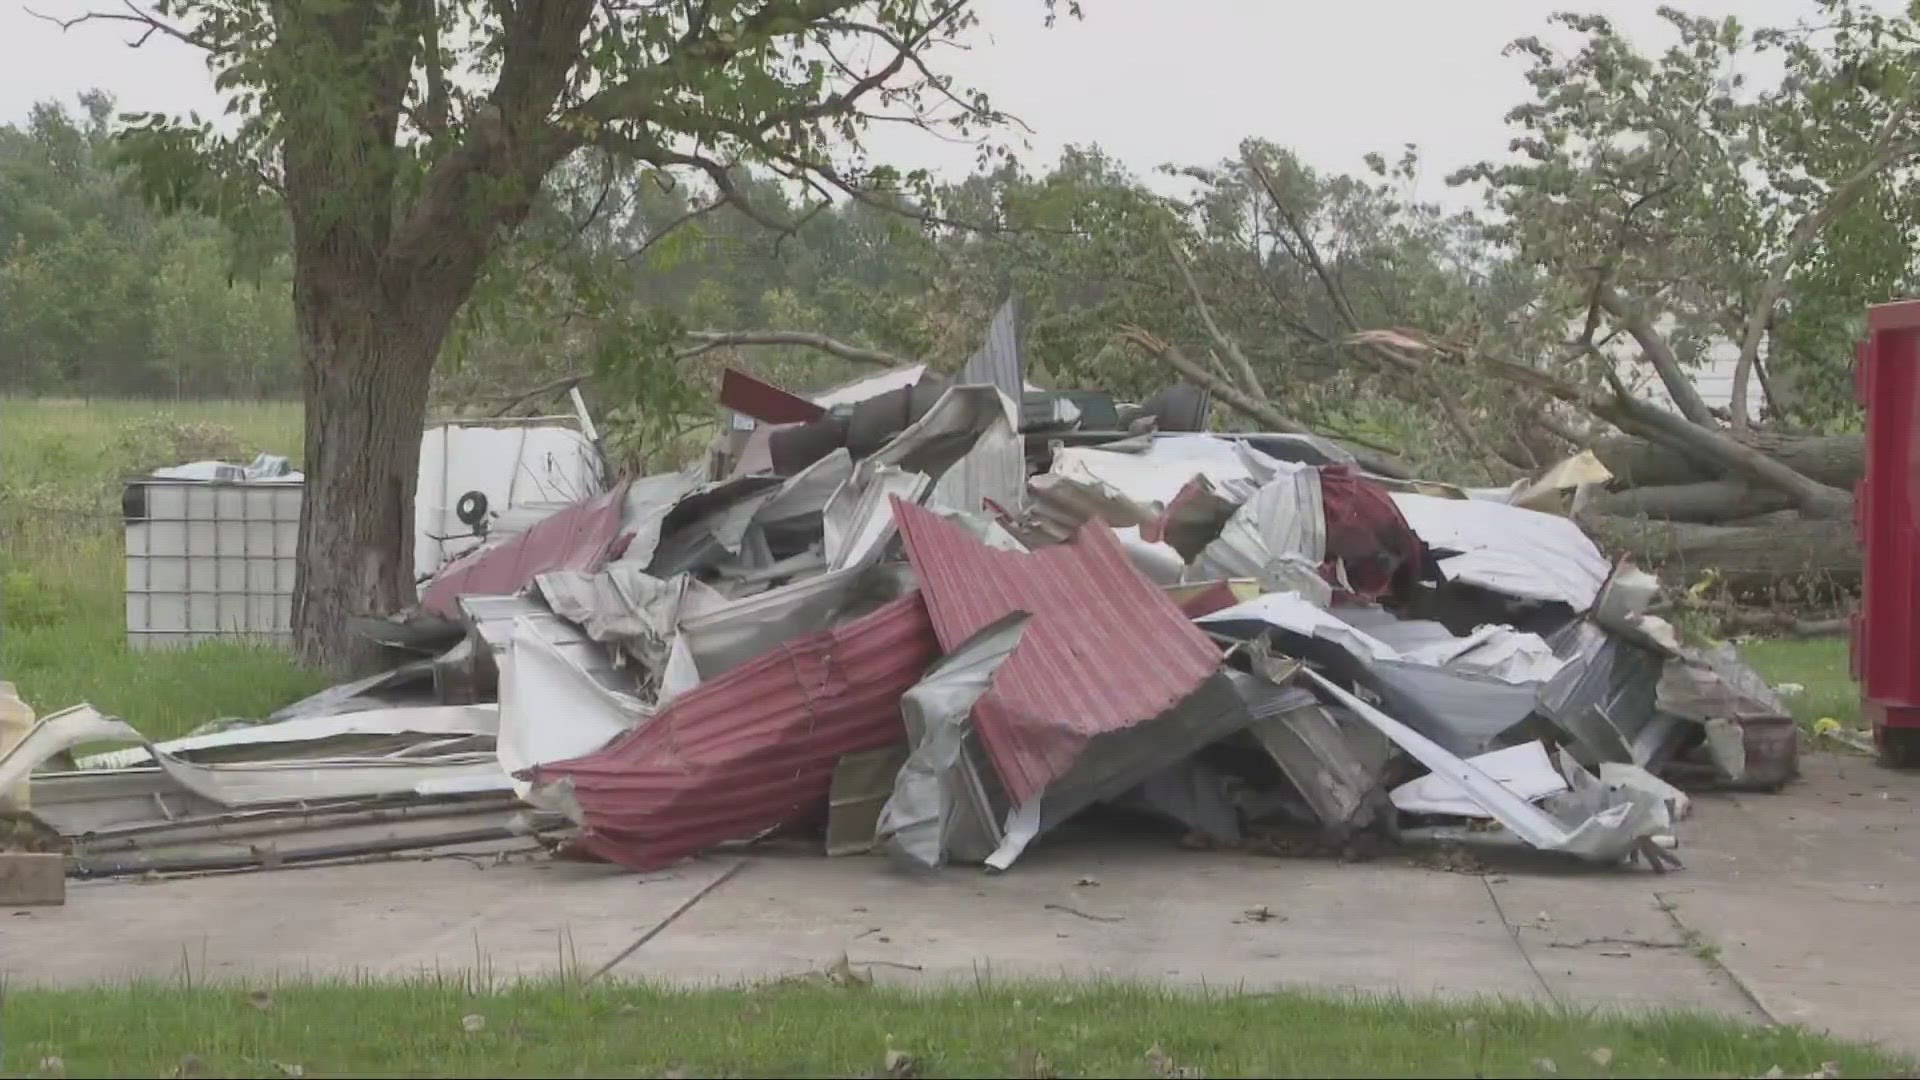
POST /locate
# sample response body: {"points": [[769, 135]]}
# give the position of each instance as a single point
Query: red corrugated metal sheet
{"points": [[764, 401], [755, 747], [581, 537], [1106, 648]]}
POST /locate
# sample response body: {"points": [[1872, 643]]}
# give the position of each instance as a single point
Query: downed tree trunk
{"points": [[1767, 554], [1836, 460], [1709, 502]]}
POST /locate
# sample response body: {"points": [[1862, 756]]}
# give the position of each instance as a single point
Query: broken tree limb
{"points": [[1380, 463], [554, 386], [1819, 554], [1249, 381], [1655, 350], [1708, 502], [1836, 460], [708, 340], [1739, 619], [1704, 444]]}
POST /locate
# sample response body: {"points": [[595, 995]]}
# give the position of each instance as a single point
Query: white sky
{"points": [[1152, 81]]}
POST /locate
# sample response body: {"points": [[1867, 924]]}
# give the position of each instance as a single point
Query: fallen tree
{"points": [[1780, 553], [1837, 460]]}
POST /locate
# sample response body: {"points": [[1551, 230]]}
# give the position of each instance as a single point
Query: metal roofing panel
{"points": [[1106, 649], [871, 386], [581, 537], [764, 401], [994, 472], [1508, 549], [750, 750]]}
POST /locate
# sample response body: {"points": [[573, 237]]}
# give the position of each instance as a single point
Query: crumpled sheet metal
{"points": [[1193, 794], [410, 683], [552, 708], [858, 521], [308, 768], [963, 422], [1509, 550], [1058, 505], [650, 501], [871, 386], [748, 751], [995, 469], [1281, 523], [1525, 769], [718, 635], [342, 737], [1370, 547], [1604, 696], [1326, 754], [1295, 614], [1618, 822], [1196, 514], [936, 811], [621, 606], [581, 537], [1156, 474], [1106, 651], [1716, 684], [1115, 761], [795, 510]]}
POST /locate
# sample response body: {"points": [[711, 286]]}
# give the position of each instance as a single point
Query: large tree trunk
{"points": [[1837, 460], [1709, 502], [366, 403], [1774, 553]]}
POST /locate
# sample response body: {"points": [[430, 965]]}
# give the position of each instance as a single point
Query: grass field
{"points": [[62, 571], [440, 1027]]}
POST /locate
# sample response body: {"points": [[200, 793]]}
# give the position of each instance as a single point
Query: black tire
{"points": [[471, 509]]}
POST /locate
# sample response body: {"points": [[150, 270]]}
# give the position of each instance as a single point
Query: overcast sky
{"points": [[1152, 81]]}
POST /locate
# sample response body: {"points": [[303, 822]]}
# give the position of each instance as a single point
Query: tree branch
{"points": [[1655, 350], [133, 14], [1648, 421], [1249, 381], [710, 340], [1259, 411], [1886, 151], [1311, 251]]}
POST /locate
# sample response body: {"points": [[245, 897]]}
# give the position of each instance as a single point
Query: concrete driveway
{"points": [[1801, 907]]}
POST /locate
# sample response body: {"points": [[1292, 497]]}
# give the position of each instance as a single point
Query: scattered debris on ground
{"points": [[937, 619]]}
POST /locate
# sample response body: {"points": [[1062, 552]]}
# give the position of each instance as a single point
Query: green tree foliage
{"points": [[101, 294]]}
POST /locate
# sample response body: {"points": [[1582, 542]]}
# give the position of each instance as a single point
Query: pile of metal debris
{"points": [[940, 618]]}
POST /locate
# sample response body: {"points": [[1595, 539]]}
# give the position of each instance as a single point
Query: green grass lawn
{"points": [[442, 1027], [1820, 665], [62, 570]]}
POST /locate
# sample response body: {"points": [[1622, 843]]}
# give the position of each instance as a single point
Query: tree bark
{"points": [[1708, 502], [366, 404], [1836, 460], [1816, 556]]}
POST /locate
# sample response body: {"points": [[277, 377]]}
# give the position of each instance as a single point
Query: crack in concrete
{"points": [[1513, 934], [1709, 953]]}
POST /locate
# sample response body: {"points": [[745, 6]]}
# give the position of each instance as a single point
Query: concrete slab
{"points": [[1154, 914], [396, 918], [1812, 897], [1807, 899]]}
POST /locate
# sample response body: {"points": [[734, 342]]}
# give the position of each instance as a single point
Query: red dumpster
{"points": [[1886, 630]]}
